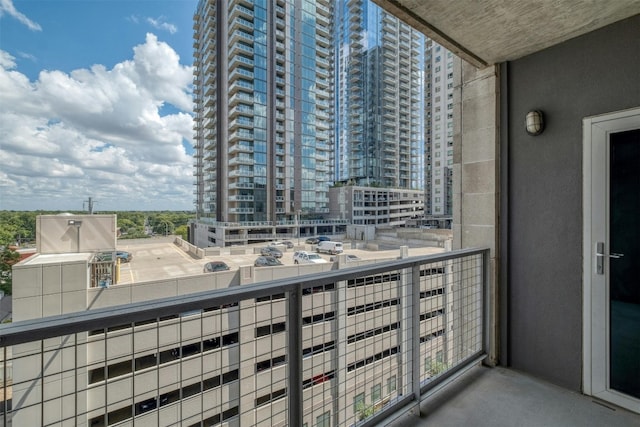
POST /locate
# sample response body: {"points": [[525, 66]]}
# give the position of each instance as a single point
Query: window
{"points": [[269, 329], [358, 403], [427, 365], [391, 384], [439, 356], [270, 397], [376, 393], [324, 420]]}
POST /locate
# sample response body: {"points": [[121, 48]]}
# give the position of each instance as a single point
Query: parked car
{"points": [[330, 247], [312, 240], [288, 244], [124, 256], [277, 244], [323, 239], [213, 266], [271, 251], [303, 257], [266, 261]]}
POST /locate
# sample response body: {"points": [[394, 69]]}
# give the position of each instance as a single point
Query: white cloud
{"points": [[6, 60], [6, 6], [27, 56], [161, 24], [97, 132]]}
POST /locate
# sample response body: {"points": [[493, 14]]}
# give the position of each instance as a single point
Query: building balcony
{"points": [[241, 160], [240, 73], [239, 85], [241, 11], [323, 41], [239, 23], [323, 10], [240, 134], [240, 48], [240, 35], [241, 198], [241, 122], [240, 60]]}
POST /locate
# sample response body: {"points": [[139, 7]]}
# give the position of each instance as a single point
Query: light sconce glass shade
{"points": [[535, 122]]}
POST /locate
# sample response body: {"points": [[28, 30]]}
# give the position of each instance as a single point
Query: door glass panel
{"points": [[624, 277]]}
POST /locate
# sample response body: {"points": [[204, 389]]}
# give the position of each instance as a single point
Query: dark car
{"points": [[123, 256], [323, 239], [288, 244], [312, 240], [213, 266], [266, 261], [271, 251]]}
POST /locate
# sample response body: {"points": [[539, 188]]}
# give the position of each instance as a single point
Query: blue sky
{"points": [[95, 101]]}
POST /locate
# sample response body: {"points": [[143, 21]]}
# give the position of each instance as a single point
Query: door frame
{"points": [[595, 167]]}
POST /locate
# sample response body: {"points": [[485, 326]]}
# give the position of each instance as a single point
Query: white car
{"points": [[303, 257], [330, 247], [277, 244]]}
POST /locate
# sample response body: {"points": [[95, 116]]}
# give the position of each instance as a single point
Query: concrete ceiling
{"points": [[486, 32]]}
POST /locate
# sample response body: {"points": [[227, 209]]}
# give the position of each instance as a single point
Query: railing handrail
{"points": [[101, 318]]}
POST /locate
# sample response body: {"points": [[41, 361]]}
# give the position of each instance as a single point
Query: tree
{"points": [[181, 231], [8, 257]]}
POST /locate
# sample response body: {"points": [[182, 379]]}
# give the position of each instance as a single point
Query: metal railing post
{"points": [[486, 321], [294, 344], [415, 334]]}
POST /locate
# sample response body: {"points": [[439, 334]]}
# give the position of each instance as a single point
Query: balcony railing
{"points": [[343, 346]]}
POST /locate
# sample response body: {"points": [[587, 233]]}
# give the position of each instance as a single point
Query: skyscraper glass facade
{"points": [[380, 79], [263, 89]]}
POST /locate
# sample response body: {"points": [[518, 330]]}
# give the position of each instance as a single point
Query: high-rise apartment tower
{"points": [[263, 108], [380, 115], [440, 69]]}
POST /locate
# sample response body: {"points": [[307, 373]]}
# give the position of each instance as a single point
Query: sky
{"points": [[96, 101]]}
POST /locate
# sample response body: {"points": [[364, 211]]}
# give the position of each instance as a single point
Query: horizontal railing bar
{"points": [[101, 318], [449, 373]]}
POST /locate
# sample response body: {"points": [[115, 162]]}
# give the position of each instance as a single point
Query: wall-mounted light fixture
{"points": [[535, 122]]}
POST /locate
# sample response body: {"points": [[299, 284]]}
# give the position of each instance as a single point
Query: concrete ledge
{"points": [[212, 251], [194, 251]]}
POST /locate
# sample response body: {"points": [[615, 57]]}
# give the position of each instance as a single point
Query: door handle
{"points": [[600, 255]]}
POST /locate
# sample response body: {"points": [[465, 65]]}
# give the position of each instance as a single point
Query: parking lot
{"points": [[160, 258]]}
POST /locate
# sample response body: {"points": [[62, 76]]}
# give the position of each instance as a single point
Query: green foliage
{"points": [[8, 257], [17, 227], [20, 226], [181, 231], [365, 411], [437, 368]]}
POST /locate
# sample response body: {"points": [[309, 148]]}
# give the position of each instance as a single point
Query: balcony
{"points": [[398, 329], [241, 11]]}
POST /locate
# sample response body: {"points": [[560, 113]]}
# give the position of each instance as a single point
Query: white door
{"points": [[611, 167]]}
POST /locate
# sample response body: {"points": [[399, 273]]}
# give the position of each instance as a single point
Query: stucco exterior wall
{"points": [[593, 74]]}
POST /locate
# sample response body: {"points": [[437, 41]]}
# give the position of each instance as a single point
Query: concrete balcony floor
{"points": [[504, 397]]}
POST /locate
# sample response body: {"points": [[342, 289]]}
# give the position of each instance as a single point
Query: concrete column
{"points": [[476, 172]]}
